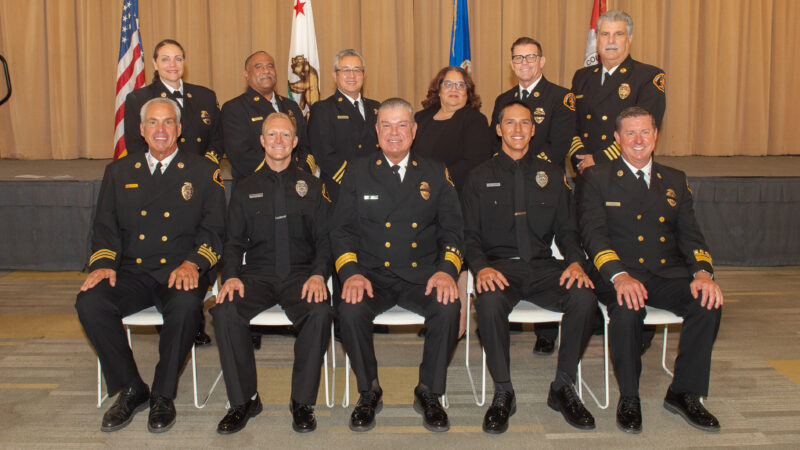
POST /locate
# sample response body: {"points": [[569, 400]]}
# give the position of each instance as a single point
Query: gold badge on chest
{"points": [[301, 187], [538, 115], [424, 190], [206, 118], [624, 91], [187, 190], [671, 196], [541, 179]]}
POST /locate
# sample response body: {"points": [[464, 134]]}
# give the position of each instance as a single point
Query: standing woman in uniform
{"points": [[201, 131], [452, 129], [199, 108]]}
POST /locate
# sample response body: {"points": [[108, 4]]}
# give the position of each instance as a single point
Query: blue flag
{"points": [[459, 37]]}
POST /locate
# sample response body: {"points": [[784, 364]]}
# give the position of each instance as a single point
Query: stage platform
{"points": [[746, 206]]}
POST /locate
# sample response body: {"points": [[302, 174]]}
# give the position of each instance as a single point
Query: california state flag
{"points": [[303, 58], [590, 58]]}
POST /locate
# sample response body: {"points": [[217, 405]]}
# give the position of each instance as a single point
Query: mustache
{"points": [[268, 75], [611, 47]]}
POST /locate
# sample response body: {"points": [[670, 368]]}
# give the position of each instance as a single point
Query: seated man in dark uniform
{"points": [[638, 224], [278, 217], [396, 239], [157, 235], [514, 205]]}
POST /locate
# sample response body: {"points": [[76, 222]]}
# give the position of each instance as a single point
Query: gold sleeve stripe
{"points": [[608, 155], [344, 259], [702, 255], [615, 149], [311, 162], [102, 253], [337, 177], [206, 252], [604, 257], [577, 144], [453, 258]]}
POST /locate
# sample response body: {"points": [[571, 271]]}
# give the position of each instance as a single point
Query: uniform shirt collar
{"points": [[403, 164], [170, 89], [350, 98], [152, 161], [531, 87], [646, 169]]}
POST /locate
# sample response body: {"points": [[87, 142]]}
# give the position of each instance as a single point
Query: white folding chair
{"points": [[655, 316], [151, 317], [394, 316], [276, 317]]}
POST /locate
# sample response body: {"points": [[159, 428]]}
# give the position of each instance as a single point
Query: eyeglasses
{"points": [[457, 85], [350, 70], [517, 59]]}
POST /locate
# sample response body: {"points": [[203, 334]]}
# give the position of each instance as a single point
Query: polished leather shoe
{"points": [[237, 417], [689, 407], [434, 418], [566, 401], [504, 405], [256, 341], [303, 419], [363, 416], [201, 338], [129, 401], [629, 415], [544, 346], [162, 414]]}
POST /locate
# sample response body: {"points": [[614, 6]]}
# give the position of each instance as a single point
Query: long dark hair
{"points": [[433, 101], [158, 47]]}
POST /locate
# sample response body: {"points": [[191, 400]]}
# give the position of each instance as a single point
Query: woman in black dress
{"points": [[452, 129], [200, 122]]}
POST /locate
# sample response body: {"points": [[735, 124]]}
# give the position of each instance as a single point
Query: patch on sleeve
{"points": [[569, 101], [218, 178], [660, 81], [212, 156]]}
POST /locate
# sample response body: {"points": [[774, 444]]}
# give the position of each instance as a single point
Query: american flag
{"points": [[130, 69]]}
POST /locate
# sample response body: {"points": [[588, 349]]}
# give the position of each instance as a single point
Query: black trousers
{"points": [[536, 282], [700, 327], [312, 322], [389, 290], [101, 309]]}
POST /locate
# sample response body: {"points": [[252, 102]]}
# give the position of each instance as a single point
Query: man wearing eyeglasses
{"points": [[342, 126], [553, 109], [553, 106], [603, 90]]}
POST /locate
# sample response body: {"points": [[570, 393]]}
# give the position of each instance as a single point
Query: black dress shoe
{"points": [[256, 341], [162, 414], [303, 419], [363, 416], [237, 417], [566, 401], [544, 346], [689, 407], [129, 401], [434, 418], [201, 338], [504, 405], [629, 415]]}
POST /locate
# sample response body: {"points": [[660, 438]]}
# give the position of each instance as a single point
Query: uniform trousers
{"points": [[441, 322], [699, 330], [311, 321], [537, 282], [101, 309]]}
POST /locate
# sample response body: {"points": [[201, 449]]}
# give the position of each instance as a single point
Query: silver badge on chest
{"points": [[541, 179], [301, 187]]}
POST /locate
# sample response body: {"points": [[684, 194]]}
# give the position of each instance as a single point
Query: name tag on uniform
{"points": [[492, 184], [342, 117], [259, 195], [256, 119], [613, 204], [280, 217], [131, 186], [371, 197], [579, 96]]}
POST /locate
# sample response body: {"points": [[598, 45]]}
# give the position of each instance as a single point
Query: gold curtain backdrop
{"points": [[729, 63]]}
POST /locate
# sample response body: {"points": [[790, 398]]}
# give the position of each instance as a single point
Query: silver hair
{"points": [[167, 101], [396, 102], [617, 15], [348, 52]]}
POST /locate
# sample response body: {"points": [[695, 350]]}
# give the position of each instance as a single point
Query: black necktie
{"points": [[355, 105], [520, 214], [396, 170], [281, 231], [642, 181], [157, 174], [606, 76], [177, 96], [525, 94]]}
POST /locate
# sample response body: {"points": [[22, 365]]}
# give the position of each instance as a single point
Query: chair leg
{"points": [[100, 396], [346, 398], [664, 353], [605, 370]]}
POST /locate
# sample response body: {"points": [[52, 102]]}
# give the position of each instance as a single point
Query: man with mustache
{"points": [[603, 90], [243, 116]]}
